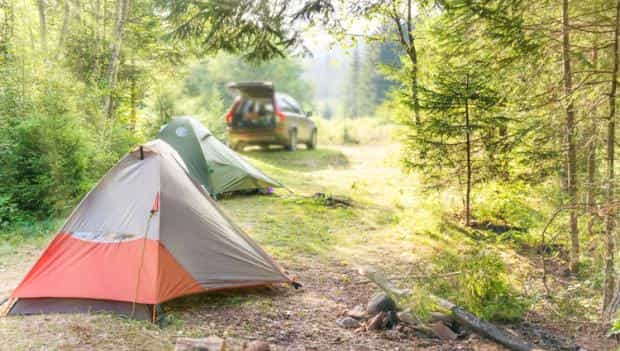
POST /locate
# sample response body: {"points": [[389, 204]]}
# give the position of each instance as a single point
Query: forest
{"points": [[476, 140]]}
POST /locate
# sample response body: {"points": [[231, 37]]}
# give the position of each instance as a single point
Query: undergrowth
{"points": [[477, 280]]}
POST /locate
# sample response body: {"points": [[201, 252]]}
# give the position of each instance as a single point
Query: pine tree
{"points": [[353, 86], [460, 111]]}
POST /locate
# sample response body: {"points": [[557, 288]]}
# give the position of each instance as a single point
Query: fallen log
{"points": [[460, 315]]}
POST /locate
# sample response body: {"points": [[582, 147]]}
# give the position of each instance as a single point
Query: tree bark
{"points": [[413, 56], [571, 149], [611, 297], [7, 28], [468, 150], [97, 20], [122, 7], [133, 98], [42, 24], [591, 156], [65, 26]]}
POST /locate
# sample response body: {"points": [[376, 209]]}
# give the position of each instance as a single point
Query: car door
{"points": [[284, 106], [303, 126]]}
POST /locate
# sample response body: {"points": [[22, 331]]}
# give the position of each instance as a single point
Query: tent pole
{"points": [[146, 233]]}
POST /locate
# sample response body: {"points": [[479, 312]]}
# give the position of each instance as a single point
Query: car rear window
{"points": [[254, 113]]}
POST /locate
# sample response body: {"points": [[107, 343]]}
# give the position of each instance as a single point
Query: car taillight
{"points": [[228, 117], [281, 116], [276, 109], [229, 114]]}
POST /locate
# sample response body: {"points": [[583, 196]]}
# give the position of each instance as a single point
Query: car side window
{"points": [[294, 105], [284, 105]]}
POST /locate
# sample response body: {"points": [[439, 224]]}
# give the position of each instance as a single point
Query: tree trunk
{"points": [[7, 29], [570, 135], [112, 69], [591, 157], [97, 20], [65, 26], [104, 23], [413, 56], [42, 24], [468, 150], [591, 166], [133, 98], [610, 303]]}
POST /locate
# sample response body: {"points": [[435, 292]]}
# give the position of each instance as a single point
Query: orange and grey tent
{"points": [[145, 234]]}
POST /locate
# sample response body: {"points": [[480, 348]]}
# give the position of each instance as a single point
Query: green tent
{"points": [[217, 167]]}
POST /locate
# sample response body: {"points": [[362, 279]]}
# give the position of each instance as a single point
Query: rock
{"points": [[390, 320], [357, 312], [442, 332], [377, 322], [257, 345], [212, 343], [380, 303], [347, 322]]}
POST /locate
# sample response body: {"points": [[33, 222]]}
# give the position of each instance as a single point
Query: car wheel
{"points": [[292, 140], [313, 139]]}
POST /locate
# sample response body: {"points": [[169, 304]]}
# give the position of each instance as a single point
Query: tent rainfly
{"points": [[213, 164], [145, 234]]}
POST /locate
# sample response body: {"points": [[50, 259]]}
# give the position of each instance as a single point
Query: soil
{"points": [[305, 319]]}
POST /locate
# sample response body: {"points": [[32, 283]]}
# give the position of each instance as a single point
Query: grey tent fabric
{"points": [[119, 202], [189, 223], [233, 258], [68, 305], [208, 160]]}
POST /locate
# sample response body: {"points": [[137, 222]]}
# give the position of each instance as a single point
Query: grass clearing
{"points": [[392, 224]]}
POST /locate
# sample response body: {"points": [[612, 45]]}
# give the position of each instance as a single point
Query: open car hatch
{"points": [[255, 90]]}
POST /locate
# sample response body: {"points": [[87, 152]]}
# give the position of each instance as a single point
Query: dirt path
{"points": [[304, 319], [289, 319]]}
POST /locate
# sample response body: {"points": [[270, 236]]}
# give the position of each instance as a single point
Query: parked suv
{"points": [[261, 116]]}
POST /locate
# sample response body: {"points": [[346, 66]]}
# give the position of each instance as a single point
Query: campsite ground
{"points": [[389, 225]]}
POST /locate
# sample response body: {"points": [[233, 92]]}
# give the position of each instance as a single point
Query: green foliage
{"points": [[615, 327], [481, 285], [217, 72], [208, 107], [509, 204], [260, 30], [9, 213], [44, 154], [367, 85], [27, 231], [202, 93], [364, 130]]}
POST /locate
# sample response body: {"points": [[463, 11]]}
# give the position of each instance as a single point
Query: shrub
{"points": [[481, 287], [506, 204], [44, 163], [44, 154], [365, 130]]}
